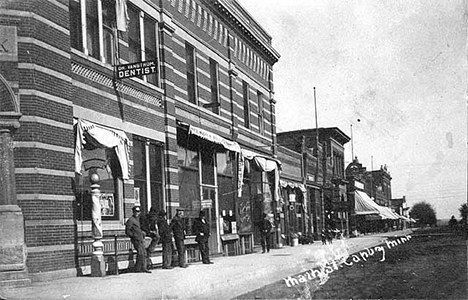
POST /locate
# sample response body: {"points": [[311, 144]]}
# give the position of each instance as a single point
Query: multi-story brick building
{"points": [[194, 127], [374, 188], [378, 185], [322, 177]]}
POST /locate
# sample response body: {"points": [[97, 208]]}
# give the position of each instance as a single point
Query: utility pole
{"points": [[372, 177], [322, 207], [352, 143], [316, 138]]}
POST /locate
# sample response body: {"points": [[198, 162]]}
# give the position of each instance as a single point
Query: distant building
{"points": [[322, 169], [378, 185]]}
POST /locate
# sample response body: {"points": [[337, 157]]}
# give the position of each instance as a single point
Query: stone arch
{"points": [[8, 100]]}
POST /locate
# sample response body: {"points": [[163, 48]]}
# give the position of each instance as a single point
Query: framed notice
{"points": [[136, 192], [107, 205]]}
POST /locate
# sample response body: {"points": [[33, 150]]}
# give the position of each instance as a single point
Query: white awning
{"points": [[213, 137], [364, 205], [102, 137], [293, 185], [265, 163]]}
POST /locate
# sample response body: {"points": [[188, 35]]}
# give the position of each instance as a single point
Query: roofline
{"points": [[254, 31], [312, 130]]}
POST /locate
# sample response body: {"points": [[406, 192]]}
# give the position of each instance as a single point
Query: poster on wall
{"points": [[245, 223], [136, 192], [107, 204]]}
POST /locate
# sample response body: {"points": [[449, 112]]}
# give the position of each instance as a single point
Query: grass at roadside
{"points": [[430, 266]]}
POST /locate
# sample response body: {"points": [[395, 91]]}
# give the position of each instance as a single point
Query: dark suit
{"points": [[202, 229], [137, 237], [165, 234], [265, 228], [178, 229]]}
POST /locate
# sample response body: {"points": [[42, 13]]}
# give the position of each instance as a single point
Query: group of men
{"points": [[156, 226]]}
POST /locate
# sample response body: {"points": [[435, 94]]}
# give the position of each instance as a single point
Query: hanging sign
{"points": [[136, 69], [206, 203]]}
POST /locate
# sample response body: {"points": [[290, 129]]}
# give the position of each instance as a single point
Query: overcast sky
{"points": [[394, 70]]}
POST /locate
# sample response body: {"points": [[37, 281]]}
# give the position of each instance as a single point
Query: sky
{"points": [[390, 73]]}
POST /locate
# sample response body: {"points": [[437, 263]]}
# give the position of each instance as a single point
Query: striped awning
{"points": [[214, 138], [293, 185]]}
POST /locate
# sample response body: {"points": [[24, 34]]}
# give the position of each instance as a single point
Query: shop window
{"points": [[227, 193], [190, 61], [189, 178], [148, 173], [103, 162], [224, 163], [207, 166]]}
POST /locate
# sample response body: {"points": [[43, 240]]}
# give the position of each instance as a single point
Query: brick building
{"points": [[373, 187], [194, 127], [321, 169]]}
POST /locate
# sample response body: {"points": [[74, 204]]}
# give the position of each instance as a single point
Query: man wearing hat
{"points": [[149, 225], [137, 237], [165, 235], [202, 229], [178, 228]]}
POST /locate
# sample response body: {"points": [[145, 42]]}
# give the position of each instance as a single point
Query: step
{"points": [[14, 279], [15, 283], [13, 275]]}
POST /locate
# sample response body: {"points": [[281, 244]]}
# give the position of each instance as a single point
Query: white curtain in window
{"points": [[103, 138], [121, 15]]}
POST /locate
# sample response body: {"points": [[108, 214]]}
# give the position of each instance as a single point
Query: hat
{"points": [[136, 208], [180, 209], [161, 213]]}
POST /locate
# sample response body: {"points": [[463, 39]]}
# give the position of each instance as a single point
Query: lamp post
{"points": [[98, 266]]}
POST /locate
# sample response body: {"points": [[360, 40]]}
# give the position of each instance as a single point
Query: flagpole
{"points": [[352, 143], [316, 136]]}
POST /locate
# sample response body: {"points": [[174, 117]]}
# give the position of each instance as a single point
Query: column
{"points": [[12, 245]]}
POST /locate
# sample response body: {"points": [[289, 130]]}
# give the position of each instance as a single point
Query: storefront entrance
{"points": [[210, 206]]}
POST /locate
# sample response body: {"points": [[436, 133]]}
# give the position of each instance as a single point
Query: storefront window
{"points": [[103, 162], [224, 165], [207, 166], [148, 171], [189, 178]]}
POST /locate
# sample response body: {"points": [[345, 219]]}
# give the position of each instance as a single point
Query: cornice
{"points": [[234, 12]]}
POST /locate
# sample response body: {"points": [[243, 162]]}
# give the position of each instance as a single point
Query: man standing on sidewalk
{"points": [[165, 234], [265, 229], [137, 237], [202, 229], [178, 228], [148, 225]]}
